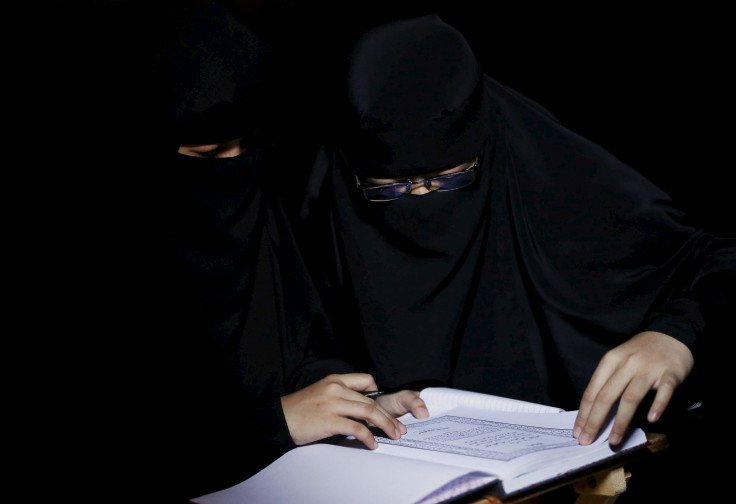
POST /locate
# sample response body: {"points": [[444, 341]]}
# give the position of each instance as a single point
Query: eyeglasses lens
{"points": [[452, 181], [386, 192]]}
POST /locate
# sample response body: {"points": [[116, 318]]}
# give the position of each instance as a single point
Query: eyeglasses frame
{"points": [[410, 185]]}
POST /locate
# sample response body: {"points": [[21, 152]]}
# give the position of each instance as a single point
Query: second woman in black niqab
{"points": [[223, 257], [234, 309]]}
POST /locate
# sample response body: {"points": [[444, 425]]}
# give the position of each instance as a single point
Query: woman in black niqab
{"points": [[519, 284], [559, 254], [232, 309]]}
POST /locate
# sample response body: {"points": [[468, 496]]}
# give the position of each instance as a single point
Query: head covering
{"points": [[407, 117], [516, 285], [224, 98]]}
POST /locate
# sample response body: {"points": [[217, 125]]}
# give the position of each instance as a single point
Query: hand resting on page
{"points": [[335, 406], [648, 361]]}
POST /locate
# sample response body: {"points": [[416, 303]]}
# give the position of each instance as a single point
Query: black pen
{"points": [[372, 394]]}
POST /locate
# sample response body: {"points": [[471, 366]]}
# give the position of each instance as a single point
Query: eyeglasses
{"points": [[448, 182]]}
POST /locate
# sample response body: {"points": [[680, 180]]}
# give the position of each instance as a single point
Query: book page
{"points": [[540, 471], [440, 399], [522, 448], [329, 474], [493, 441], [536, 445]]}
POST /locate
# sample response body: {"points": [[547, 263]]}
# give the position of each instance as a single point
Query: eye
{"points": [[200, 150], [210, 153], [215, 150]]}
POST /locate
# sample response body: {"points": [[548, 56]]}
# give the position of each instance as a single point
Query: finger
{"points": [[665, 391], [396, 428], [600, 377], [397, 424], [353, 395], [348, 427], [357, 381], [415, 405], [630, 400], [607, 396], [405, 401], [375, 415]]}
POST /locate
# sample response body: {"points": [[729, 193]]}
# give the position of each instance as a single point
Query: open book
{"points": [[471, 442]]}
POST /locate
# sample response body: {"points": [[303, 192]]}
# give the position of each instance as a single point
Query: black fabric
{"points": [[224, 98], [517, 285], [237, 292], [441, 118], [196, 303]]}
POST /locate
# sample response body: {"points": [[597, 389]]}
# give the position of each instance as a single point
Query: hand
{"points": [[402, 402], [648, 361], [334, 405]]}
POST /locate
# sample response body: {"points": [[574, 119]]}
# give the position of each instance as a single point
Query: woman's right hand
{"points": [[335, 405]]}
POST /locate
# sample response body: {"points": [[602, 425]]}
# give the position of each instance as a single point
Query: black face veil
{"points": [[417, 95]]}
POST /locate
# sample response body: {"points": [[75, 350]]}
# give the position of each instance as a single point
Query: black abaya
{"points": [[516, 285]]}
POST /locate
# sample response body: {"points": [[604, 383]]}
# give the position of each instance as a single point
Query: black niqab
{"points": [[516, 285]]}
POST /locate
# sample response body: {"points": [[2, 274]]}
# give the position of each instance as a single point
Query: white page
{"points": [[440, 399], [495, 443], [326, 474], [544, 472], [504, 443]]}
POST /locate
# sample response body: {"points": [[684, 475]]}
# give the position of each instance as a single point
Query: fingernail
{"points": [[398, 433], [614, 438], [576, 431], [585, 438], [653, 416]]}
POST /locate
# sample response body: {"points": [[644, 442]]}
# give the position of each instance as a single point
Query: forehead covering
{"points": [[414, 100], [211, 70]]}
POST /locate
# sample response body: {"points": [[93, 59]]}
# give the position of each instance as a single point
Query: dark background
{"points": [[646, 85]]}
